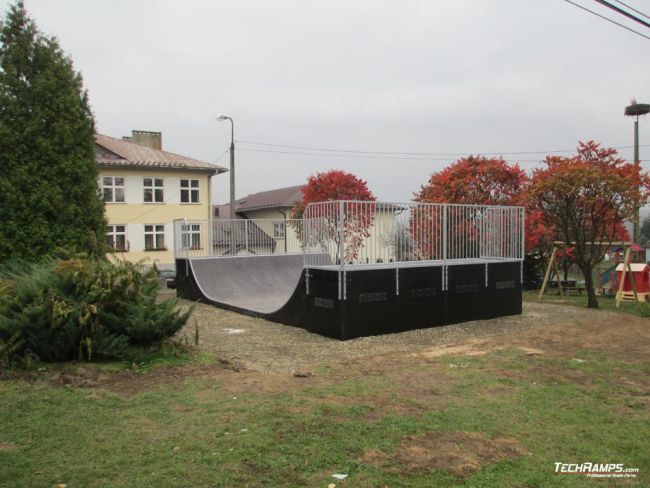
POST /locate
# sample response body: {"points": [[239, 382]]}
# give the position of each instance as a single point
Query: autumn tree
{"points": [[325, 223], [476, 180], [586, 198], [479, 180], [48, 175]]}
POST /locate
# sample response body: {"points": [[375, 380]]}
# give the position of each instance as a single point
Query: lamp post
{"points": [[636, 110], [232, 163]]}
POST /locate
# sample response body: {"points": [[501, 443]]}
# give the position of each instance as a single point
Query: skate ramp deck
{"points": [[261, 284]]}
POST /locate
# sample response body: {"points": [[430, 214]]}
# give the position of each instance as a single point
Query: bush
{"points": [[84, 308]]}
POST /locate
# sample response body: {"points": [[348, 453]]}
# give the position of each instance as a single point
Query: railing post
{"points": [[341, 234], [210, 244], [523, 233], [246, 243], [444, 233]]}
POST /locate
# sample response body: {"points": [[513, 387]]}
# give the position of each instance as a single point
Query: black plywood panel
{"points": [[466, 293], [504, 289]]}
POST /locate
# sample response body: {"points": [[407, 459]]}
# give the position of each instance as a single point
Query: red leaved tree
{"points": [[357, 219], [479, 180], [476, 180], [586, 198]]}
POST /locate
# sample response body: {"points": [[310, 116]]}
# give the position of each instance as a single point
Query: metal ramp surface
{"points": [[262, 284]]}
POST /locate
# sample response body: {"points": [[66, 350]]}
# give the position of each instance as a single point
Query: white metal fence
{"points": [[350, 233], [367, 233], [225, 237]]}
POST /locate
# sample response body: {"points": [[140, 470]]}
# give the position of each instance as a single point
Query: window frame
{"points": [[191, 237], [153, 187], [113, 186], [190, 190], [156, 231], [282, 227], [113, 233]]}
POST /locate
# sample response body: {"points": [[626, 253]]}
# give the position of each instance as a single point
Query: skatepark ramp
{"points": [[351, 269], [261, 284]]}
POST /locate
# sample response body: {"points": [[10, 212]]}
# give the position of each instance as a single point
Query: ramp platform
{"points": [[355, 302]]}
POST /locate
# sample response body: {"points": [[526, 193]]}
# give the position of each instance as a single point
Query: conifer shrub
{"points": [[83, 309]]}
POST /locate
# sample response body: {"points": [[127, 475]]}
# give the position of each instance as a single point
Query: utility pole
{"points": [[636, 110], [232, 163]]}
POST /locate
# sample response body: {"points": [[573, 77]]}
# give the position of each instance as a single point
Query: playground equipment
{"points": [[613, 278], [636, 282], [351, 269]]}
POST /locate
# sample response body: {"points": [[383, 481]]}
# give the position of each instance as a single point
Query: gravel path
{"points": [[268, 347]]}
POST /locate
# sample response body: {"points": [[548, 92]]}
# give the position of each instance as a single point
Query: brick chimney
{"points": [[147, 138]]}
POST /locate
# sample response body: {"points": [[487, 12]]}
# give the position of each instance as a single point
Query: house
{"points": [[144, 190], [270, 212], [269, 228], [271, 204]]}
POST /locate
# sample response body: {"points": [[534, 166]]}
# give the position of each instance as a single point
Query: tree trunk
{"points": [[592, 301]]}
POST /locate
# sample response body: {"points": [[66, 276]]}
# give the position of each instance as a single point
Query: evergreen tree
{"points": [[48, 176]]}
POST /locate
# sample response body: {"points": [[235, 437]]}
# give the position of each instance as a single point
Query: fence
{"points": [[225, 237], [370, 233], [350, 233]]}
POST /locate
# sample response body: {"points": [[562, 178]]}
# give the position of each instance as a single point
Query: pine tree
{"points": [[48, 176]]}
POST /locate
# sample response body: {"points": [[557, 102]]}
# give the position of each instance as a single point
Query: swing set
{"points": [[627, 268]]}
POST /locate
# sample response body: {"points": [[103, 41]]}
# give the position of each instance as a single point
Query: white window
{"points": [[113, 189], [278, 230], [189, 191], [191, 236], [116, 237], [154, 190], [154, 237]]}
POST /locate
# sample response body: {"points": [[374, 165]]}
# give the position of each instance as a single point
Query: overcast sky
{"points": [[397, 76]]}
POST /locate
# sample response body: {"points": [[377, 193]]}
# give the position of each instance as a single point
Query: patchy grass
{"points": [[498, 419], [573, 299]]}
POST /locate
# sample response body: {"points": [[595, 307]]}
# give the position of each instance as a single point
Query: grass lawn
{"points": [[574, 299], [498, 412]]}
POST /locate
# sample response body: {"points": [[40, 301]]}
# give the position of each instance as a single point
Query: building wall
{"points": [[290, 243], [135, 214]]}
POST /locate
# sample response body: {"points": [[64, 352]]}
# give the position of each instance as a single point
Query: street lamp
{"points": [[636, 110], [222, 117]]}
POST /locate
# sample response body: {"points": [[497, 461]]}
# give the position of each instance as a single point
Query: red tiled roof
{"points": [[279, 198], [126, 153]]}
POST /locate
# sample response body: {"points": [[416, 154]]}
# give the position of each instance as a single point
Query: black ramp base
{"points": [[466, 293], [357, 302], [504, 289]]}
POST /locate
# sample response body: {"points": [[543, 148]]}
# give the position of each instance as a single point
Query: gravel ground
{"points": [[260, 345]]}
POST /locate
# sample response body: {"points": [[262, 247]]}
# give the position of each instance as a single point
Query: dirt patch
{"points": [[7, 446], [473, 347], [458, 453], [268, 347]]}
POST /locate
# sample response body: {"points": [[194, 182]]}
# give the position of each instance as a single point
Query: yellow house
{"points": [[144, 190]]}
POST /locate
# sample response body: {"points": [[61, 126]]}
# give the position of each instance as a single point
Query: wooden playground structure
{"points": [[626, 289]]}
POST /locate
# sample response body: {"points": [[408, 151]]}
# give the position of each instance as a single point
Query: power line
{"points": [[400, 153], [632, 9], [222, 155], [374, 156], [623, 12], [607, 19]]}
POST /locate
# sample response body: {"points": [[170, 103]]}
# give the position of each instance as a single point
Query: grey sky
{"points": [[409, 76]]}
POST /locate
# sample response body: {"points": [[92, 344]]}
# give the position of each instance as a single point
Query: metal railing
{"points": [[370, 233], [226, 237], [351, 233]]}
